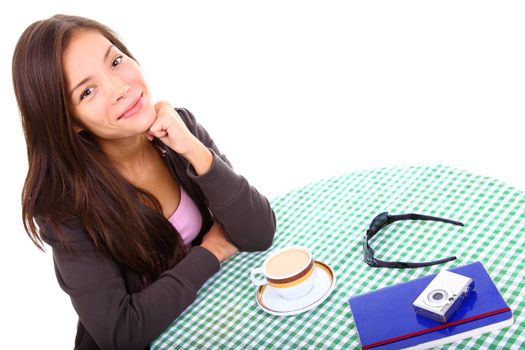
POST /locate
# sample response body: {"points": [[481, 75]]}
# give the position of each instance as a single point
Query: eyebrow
{"points": [[88, 78]]}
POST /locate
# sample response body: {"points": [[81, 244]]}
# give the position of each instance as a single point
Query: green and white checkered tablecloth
{"points": [[330, 217]]}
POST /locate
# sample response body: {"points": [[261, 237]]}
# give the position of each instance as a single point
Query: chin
{"points": [[148, 117]]}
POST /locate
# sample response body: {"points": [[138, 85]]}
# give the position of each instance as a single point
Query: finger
{"points": [[159, 126], [158, 133], [160, 105]]}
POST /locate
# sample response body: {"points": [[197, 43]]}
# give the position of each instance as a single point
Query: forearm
{"points": [[248, 220], [244, 213], [120, 318]]}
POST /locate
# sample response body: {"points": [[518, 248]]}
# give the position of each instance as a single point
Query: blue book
{"points": [[385, 318]]}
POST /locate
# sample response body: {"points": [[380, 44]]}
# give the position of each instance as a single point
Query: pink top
{"points": [[187, 218]]}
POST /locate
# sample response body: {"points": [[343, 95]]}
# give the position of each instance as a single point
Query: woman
{"points": [[135, 199]]}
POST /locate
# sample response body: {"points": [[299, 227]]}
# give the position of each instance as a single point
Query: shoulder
{"points": [[56, 234]]}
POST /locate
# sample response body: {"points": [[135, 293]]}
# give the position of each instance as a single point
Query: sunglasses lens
{"points": [[379, 221]]}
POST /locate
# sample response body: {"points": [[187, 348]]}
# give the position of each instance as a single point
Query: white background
{"points": [[292, 92]]}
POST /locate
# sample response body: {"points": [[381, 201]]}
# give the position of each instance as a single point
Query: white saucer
{"points": [[276, 305]]}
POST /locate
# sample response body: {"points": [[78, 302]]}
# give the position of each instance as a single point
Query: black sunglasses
{"points": [[383, 220]]}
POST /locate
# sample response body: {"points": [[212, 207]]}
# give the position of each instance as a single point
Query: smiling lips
{"points": [[133, 108]]}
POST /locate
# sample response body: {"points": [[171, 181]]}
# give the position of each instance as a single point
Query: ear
{"points": [[77, 129]]}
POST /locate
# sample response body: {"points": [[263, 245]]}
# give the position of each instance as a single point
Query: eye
{"points": [[86, 93], [116, 61]]}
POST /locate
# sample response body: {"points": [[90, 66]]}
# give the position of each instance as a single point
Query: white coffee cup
{"points": [[289, 272]]}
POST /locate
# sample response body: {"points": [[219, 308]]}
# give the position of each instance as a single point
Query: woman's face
{"points": [[108, 94]]}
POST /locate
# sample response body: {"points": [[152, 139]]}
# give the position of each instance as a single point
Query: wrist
{"points": [[200, 157], [214, 250]]}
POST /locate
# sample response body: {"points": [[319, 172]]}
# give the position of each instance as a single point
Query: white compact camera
{"points": [[443, 296]]}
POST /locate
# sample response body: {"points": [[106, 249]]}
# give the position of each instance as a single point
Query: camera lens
{"points": [[438, 296]]}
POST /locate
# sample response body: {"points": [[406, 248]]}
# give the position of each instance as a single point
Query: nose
{"points": [[116, 89]]}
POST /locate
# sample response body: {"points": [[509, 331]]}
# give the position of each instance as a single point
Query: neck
{"points": [[130, 155]]}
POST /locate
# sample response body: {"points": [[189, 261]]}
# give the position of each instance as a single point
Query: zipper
{"points": [[160, 146]]}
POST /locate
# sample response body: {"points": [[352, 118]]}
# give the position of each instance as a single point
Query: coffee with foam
{"points": [[289, 272], [287, 263]]}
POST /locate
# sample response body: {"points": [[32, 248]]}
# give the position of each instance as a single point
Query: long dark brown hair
{"points": [[69, 177]]}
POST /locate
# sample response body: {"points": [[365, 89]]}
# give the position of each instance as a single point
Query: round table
{"points": [[330, 217]]}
